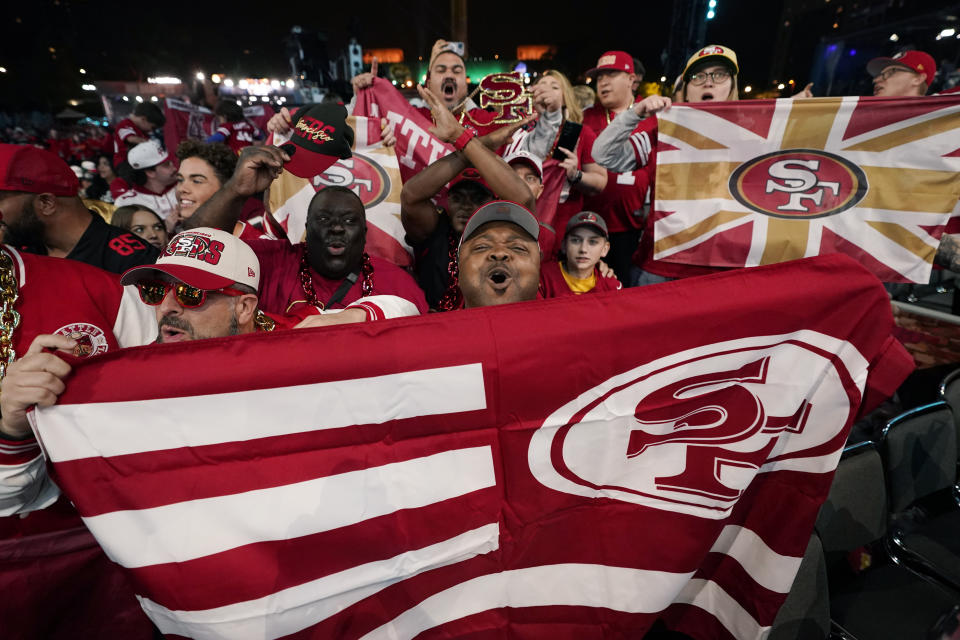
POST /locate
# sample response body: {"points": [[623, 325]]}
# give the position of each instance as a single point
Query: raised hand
{"points": [[280, 122], [570, 164], [499, 137], [256, 169], [363, 80], [445, 127], [652, 105]]}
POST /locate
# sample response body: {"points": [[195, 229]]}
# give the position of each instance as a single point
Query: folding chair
{"points": [[805, 615], [919, 450], [950, 393], [883, 600]]}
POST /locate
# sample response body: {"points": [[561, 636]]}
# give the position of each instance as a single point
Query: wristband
{"points": [[464, 138], [578, 177]]}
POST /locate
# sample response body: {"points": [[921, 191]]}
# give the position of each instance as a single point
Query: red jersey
{"points": [[238, 135], [281, 289], [621, 202], [553, 285], [125, 129], [65, 564]]}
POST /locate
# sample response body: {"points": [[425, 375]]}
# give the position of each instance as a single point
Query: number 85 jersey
{"points": [[112, 248]]}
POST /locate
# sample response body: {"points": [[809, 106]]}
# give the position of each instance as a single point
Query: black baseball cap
{"points": [[319, 137]]}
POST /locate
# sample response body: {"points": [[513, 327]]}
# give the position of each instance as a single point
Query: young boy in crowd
{"points": [[585, 242]]}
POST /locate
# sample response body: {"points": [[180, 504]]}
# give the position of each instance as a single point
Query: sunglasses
{"points": [[153, 292]]}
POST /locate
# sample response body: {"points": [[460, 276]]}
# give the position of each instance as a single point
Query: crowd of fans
{"points": [[190, 231]]}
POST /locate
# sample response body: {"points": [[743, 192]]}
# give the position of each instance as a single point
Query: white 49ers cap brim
{"points": [[204, 258]]}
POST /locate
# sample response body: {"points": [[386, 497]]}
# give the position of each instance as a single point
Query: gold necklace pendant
{"points": [[9, 317]]}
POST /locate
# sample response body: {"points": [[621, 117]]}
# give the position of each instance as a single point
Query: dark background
{"points": [[46, 42]]}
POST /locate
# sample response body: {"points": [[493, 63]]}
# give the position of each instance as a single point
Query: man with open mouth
{"points": [[499, 258], [331, 269], [476, 175]]}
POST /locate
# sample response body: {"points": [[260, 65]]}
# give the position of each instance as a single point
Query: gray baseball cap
{"points": [[501, 211]]}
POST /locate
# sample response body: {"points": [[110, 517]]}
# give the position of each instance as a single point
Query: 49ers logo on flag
{"points": [[798, 183], [190, 245], [361, 175], [689, 432], [742, 184]]}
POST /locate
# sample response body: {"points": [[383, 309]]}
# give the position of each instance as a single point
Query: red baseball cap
{"points": [[916, 61], [470, 175], [319, 137], [613, 61], [33, 170]]}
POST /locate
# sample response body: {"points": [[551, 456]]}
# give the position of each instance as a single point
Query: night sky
{"points": [[124, 42]]}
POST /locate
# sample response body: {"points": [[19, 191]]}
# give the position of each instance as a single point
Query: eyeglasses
{"points": [[889, 71], [153, 292], [718, 76]]}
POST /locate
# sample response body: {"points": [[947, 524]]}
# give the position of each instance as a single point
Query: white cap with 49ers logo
{"points": [[204, 258]]}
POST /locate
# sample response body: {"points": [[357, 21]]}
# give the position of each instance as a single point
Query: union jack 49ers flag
{"points": [[568, 468], [751, 183]]}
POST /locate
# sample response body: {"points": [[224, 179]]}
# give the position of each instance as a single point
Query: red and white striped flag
{"points": [[564, 468], [751, 183]]}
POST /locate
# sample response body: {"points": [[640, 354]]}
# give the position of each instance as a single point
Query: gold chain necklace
{"points": [[9, 317]]}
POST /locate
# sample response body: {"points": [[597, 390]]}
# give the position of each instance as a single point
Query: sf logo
{"points": [[799, 178], [505, 93], [710, 412]]}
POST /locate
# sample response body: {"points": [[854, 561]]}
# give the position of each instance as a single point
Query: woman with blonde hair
{"points": [[576, 173]]}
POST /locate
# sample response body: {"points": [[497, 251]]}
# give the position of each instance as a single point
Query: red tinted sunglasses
{"points": [[153, 292]]}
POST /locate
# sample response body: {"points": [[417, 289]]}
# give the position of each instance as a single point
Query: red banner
{"points": [[185, 120], [380, 489], [416, 147]]}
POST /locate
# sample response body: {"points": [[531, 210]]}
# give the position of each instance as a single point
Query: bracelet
{"points": [[578, 177], [464, 138]]}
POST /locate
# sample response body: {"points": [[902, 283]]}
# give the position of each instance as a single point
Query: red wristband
{"points": [[464, 138]]}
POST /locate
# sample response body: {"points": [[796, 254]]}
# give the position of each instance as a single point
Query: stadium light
{"points": [[83, 71], [781, 86], [289, 83], [200, 76], [946, 33], [663, 78], [747, 89], [215, 78], [88, 87], [227, 82], [3, 69], [711, 14], [894, 37]]}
